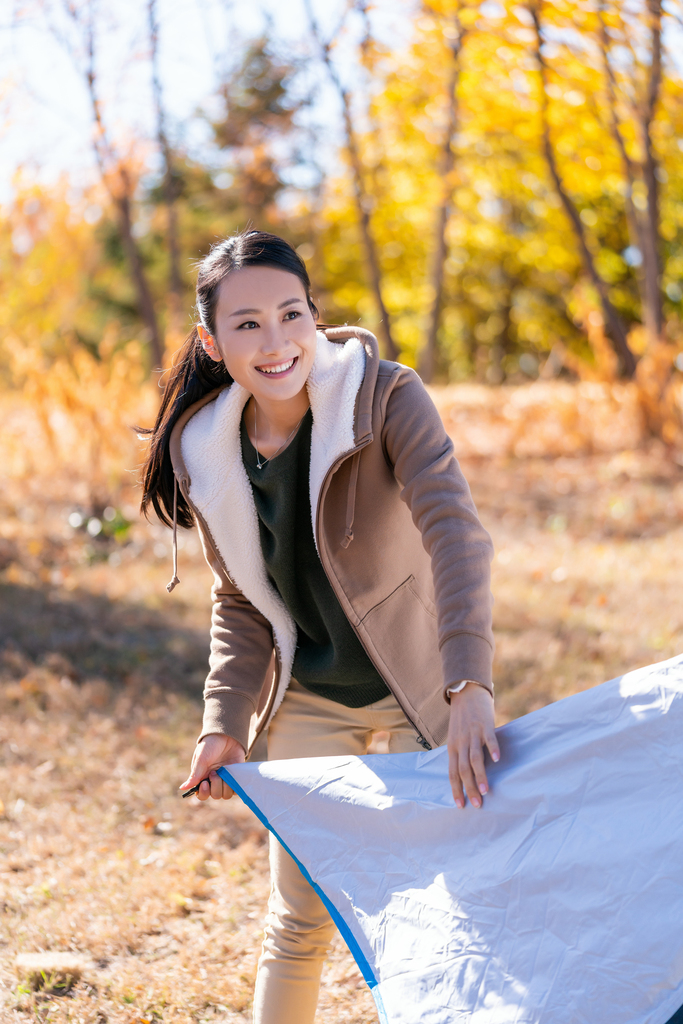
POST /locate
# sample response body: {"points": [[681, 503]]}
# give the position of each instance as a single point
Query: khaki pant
{"points": [[298, 928]]}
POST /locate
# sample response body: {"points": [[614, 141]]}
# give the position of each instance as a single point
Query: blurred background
{"points": [[496, 190]]}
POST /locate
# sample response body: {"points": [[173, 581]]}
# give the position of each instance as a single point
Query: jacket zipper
{"points": [[342, 458], [264, 717]]}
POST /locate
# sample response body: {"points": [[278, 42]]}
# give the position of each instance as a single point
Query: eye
{"points": [[293, 314], [248, 325]]}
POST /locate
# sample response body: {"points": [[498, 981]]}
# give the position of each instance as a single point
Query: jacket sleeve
{"points": [[439, 499], [241, 651]]}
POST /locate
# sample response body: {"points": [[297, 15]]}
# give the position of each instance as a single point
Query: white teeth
{"points": [[280, 368]]}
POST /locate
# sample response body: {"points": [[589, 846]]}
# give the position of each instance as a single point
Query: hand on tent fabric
{"points": [[471, 728], [210, 753]]}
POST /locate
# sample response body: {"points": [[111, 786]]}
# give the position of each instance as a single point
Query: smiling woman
{"points": [[261, 278], [351, 573], [270, 353]]}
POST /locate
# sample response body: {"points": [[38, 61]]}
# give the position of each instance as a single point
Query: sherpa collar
{"points": [[221, 491]]}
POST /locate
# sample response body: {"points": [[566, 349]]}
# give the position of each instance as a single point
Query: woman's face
{"points": [[265, 332]]}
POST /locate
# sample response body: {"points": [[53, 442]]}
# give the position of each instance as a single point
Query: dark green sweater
{"points": [[330, 659]]}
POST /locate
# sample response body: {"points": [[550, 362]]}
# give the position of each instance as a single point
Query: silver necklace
{"points": [[260, 464]]}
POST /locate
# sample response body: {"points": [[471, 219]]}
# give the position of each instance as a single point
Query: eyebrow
{"points": [[287, 302]]}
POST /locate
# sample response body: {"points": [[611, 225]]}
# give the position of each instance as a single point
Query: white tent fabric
{"points": [[559, 902]]}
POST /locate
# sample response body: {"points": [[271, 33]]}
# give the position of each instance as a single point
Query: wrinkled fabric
{"points": [[557, 903]]}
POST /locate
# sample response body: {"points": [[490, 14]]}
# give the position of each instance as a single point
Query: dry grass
{"points": [[100, 856], [101, 676]]}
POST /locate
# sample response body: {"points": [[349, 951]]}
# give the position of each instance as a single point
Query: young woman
{"points": [[351, 573]]}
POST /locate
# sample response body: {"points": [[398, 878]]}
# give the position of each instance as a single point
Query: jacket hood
{"points": [[362, 425]]}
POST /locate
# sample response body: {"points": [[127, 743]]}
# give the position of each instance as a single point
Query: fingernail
{"points": [[476, 802], [213, 775], [483, 789], [496, 757], [459, 803]]}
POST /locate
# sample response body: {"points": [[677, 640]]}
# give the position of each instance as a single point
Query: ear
{"points": [[209, 344]]}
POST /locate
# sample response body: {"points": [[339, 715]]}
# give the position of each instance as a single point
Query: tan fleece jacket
{"points": [[394, 525]]}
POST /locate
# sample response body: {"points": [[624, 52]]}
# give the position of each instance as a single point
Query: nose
{"points": [[273, 339]]}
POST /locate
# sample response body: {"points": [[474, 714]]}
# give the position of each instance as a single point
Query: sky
{"points": [[45, 118]]}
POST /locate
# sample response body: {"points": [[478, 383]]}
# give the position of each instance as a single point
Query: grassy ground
{"points": [[100, 703]]}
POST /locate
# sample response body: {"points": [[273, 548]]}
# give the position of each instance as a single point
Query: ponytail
{"points": [[193, 375]]}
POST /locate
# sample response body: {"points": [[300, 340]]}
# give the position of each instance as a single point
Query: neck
{"points": [[269, 423]]}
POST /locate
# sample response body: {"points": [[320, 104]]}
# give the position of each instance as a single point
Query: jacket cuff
{"points": [[229, 714], [467, 656]]}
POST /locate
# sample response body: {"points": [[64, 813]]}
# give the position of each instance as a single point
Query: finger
{"points": [[227, 791], [215, 785], [455, 779], [467, 776], [477, 762], [457, 787], [492, 744], [204, 791], [198, 771]]}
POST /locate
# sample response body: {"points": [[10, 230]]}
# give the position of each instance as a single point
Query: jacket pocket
{"points": [[402, 630], [422, 595]]}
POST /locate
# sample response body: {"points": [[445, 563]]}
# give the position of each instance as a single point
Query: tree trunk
{"points": [[612, 319], [363, 200], [654, 313], [633, 223], [440, 250], [363, 206], [119, 186], [137, 271], [643, 226], [436, 276], [169, 187]]}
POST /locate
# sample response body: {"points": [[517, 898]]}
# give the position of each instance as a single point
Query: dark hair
{"points": [[194, 374]]}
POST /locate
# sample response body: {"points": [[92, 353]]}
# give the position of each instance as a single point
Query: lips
{"points": [[278, 369]]}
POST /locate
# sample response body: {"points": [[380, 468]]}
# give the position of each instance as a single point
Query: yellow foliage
{"points": [[87, 409], [512, 253], [86, 399]]}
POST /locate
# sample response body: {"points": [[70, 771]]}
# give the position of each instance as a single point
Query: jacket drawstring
{"points": [[351, 500], [175, 581]]}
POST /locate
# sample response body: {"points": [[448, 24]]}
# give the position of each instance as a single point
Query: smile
{"points": [[278, 369]]}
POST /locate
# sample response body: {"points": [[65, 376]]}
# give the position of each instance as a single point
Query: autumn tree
{"points": [[633, 89], [453, 30], [364, 200], [256, 130], [515, 249], [170, 182], [116, 171]]}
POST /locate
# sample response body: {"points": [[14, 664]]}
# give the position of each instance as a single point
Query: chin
{"points": [[282, 390]]}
